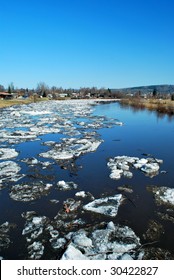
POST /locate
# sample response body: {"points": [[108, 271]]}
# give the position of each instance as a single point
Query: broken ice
{"points": [[7, 153], [9, 171], [163, 195], [29, 192], [62, 185], [72, 147], [112, 242], [107, 206], [120, 166]]}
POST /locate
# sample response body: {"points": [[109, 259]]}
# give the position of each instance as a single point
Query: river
{"points": [[114, 131]]}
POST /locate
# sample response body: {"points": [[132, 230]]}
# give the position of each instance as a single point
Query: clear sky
{"points": [[80, 43]]}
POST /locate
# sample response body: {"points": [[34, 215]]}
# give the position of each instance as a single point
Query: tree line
{"points": [[43, 90]]}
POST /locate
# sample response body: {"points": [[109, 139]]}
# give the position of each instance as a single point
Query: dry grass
{"points": [[163, 106], [12, 102]]}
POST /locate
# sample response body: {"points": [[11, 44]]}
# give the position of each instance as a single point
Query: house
{"points": [[63, 95], [5, 95], [75, 95]]}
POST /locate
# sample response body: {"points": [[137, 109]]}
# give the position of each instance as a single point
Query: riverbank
{"points": [[11, 102], [162, 106]]}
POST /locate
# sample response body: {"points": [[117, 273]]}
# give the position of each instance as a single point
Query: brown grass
{"points": [[12, 102], [162, 106]]}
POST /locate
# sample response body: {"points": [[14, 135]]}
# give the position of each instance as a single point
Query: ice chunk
{"points": [[58, 243], [112, 242], [29, 192], [73, 253], [82, 240], [36, 250], [36, 113], [107, 206], [62, 185], [163, 195], [120, 165], [7, 153], [111, 226], [54, 201], [57, 155], [168, 196], [9, 171], [4, 235], [34, 225], [116, 173], [150, 168], [15, 113], [81, 193], [71, 148], [128, 174], [71, 205], [126, 257]]}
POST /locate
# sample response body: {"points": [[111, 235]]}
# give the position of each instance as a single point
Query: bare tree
{"points": [[42, 89], [2, 88]]}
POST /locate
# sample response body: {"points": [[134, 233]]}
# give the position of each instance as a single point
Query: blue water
{"points": [[142, 132]]}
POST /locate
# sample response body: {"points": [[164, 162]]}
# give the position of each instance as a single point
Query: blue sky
{"points": [[80, 43]]}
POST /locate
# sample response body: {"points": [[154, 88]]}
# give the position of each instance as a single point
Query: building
{"points": [[5, 95]]}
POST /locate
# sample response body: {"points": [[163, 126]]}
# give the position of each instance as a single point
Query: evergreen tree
{"points": [[9, 90], [154, 92]]}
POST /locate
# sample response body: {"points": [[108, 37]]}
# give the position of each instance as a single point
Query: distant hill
{"points": [[168, 89]]}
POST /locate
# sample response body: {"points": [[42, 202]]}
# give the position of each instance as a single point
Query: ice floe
{"points": [[17, 136], [71, 205], [54, 201], [35, 250], [34, 227], [29, 192], [95, 242], [80, 239], [62, 185], [9, 171], [112, 242], [4, 235], [71, 148], [81, 193], [35, 162], [168, 196], [36, 113], [72, 253], [58, 243], [39, 229], [33, 231], [7, 153], [163, 195], [107, 206], [120, 166]]}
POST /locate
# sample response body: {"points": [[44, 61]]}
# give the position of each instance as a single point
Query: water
{"points": [[143, 132]]}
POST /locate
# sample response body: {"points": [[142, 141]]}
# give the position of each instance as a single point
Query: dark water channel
{"points": [[143, 133]]}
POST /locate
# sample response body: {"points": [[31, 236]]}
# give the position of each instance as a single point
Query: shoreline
{"points": [[163, 106], [13, 102]]}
